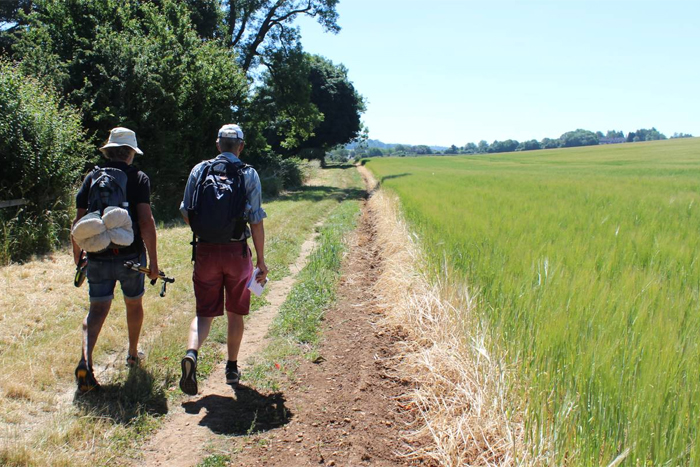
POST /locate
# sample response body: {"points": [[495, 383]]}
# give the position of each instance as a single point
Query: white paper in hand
{"points": [[255, 286]]}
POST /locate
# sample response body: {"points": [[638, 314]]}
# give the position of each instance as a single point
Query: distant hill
{"points": [[375, 143], [371, 143]]}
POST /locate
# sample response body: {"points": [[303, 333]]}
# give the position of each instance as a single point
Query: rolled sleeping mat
{"points": [[96, 243], [121, 236], [115, 217], [88, 226]]}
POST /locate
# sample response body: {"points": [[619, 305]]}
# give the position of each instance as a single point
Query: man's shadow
{"points": [[124, 401], [247, 413]]}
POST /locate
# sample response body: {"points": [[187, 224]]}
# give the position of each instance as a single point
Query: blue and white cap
{"points": [[231, 130]]}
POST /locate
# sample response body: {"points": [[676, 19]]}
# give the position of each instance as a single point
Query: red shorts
{"points": [[220, 268]]}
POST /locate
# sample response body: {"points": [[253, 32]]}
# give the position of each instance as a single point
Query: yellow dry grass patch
{"points": [[42, 422], [462, 394]]}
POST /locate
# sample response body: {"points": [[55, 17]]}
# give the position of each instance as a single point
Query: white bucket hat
{"points": [[122, 137]]}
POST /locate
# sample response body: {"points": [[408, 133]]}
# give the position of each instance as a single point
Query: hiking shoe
{"points": [[188, 381], [134, 360], [85, 378], [233, 376]]}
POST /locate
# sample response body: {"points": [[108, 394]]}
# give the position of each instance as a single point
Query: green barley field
{"points": [[585, 262]]}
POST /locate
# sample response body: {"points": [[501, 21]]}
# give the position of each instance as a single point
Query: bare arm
{"points": [[258, 233], [148, 232], [76, 249]]}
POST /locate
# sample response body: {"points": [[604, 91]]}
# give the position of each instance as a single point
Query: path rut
{"points": [[192, 426]]}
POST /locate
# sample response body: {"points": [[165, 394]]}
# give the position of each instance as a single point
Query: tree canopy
{"points": [[578, 137], [174, 71], [340, 104], [645, 135], [258, 28], [140, 65]]}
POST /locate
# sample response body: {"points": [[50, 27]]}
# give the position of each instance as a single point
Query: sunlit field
{"points": [[585, 265]]}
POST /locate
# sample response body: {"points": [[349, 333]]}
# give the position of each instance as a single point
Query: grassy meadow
{"points": [[585, 266]]}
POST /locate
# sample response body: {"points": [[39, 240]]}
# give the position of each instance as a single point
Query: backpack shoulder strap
{"points": [[206, 167], [94, 172], [237, 166]]}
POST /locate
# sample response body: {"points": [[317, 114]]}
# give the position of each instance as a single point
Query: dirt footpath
{"points": [[343, 410], [193, 426]]}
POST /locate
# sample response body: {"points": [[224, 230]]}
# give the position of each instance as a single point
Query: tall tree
{"points": [[422, 150], [470, 148], [207, 17], [508, 145], [282, 114], [140, 65], [12, 19], [531, 145], [578, 137], [12, 12], [549, 143], [259, 27], [645, 135], [452, 150], [334, 95]]}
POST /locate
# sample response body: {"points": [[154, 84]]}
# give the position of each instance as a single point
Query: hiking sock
{"points": [[232, 365], [191, 353]]}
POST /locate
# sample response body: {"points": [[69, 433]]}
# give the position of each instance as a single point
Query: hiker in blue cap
{"points": [[223, 206]]}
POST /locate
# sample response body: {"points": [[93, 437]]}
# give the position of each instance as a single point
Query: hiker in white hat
{"points": [[120, 137], [114, 224], [223, 213]]}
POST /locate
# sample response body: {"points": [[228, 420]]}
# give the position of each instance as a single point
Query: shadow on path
{"points": [[247, 413], [339, 166], [321, 192], [124, 401]]}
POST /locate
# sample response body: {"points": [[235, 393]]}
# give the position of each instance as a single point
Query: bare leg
{"points": [[235, 335], [134, 321], [92, 325], [199, 330]]}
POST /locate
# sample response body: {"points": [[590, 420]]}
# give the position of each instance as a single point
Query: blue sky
{"points": [[444, 72]]}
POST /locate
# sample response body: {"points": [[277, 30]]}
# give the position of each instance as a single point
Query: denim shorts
{"points": [[103, 274]]}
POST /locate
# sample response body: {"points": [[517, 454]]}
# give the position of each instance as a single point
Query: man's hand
{"points": [[153, 271], [78, 256], [262, 275]]}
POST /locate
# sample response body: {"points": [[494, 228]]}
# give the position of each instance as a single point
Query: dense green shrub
{"points": [[42, 150], [278, 173], [140, 65]]}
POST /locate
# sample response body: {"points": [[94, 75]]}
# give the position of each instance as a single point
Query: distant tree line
{"points": [[569, 139]]}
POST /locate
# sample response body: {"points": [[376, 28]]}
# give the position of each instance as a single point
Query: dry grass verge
{"points": [[42, 421], [461, 390]]}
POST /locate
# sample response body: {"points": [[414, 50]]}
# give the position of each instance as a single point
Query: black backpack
{"points": [[108, 188], [217, 213]]}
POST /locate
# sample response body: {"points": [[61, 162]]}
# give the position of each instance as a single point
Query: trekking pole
{"points": [[161, 275], [80, 270]]}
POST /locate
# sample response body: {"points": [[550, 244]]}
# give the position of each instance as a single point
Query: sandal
{"points": [[134, 360], [233, 376], [85, 378]]}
